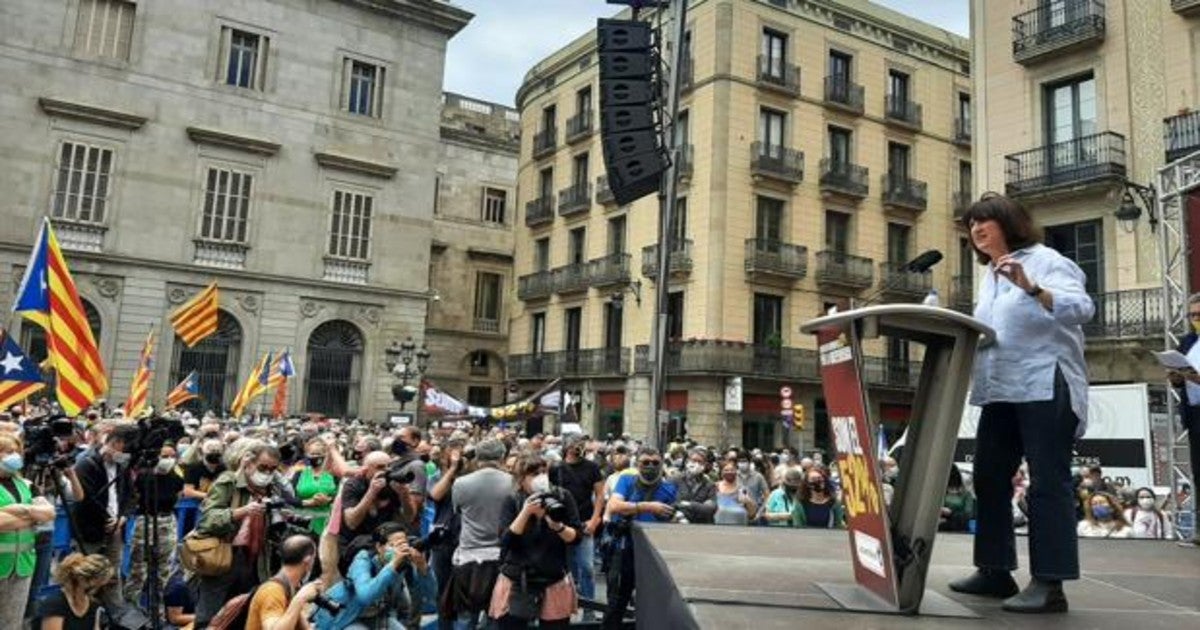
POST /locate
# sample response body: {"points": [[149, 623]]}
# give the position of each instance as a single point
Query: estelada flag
{"points": [[19, 377], [255, 385], [48, 298], [197, 318], [187, 389], [139, 391]]}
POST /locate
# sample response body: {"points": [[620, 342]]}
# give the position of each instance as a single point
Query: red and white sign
{"points": [[866, 513]]}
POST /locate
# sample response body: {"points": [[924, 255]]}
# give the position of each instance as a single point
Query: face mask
{"points": [[316, 462], [1102, 512], [121, 459], [650, 475], [261, 479], [817, 484], [694, 468], [212, 458], [12, 463], [591, 457], [165, 465], [399, 448], [677, 462], [389, 556], [784, 458], [1146, 503], [540, 484], [743, 467]]}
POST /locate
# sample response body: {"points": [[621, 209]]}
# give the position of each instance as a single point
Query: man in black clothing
{"points": [[108, 489], [370, 500], [584, 482], [697, 493]]}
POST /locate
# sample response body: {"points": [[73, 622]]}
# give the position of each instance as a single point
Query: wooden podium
{"points": [[891, 546]]}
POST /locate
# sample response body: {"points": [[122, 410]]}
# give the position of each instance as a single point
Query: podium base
{"points": [[854, 598]]}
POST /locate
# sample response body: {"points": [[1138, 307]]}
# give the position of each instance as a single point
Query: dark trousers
{"points": [[1193, 428], [1044, 433], [620, 579], [440, 562]]}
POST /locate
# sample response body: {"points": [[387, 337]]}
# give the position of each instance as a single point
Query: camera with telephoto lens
{"points": [[399, 473], [42, 436], [144, 442], [555, 509], [326, 604]]}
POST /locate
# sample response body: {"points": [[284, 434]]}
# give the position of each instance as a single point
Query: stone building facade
{"points": [[472, 249], [825, 143], [287, 150]]}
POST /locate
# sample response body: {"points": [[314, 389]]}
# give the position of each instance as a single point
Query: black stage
{"points": [[763, 578]]}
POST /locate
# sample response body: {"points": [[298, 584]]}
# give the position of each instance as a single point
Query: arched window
{"points": [[215, 360], [33, 341], [335, 351]]}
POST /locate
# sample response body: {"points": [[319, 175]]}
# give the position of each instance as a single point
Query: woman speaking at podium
{"points": [[1032, 386]]}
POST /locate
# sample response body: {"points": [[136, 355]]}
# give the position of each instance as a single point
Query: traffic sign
{"points": [[785, 392]]}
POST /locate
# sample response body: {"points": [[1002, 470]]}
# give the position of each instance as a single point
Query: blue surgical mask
{"points": [[12, 463], [1102, 512]]}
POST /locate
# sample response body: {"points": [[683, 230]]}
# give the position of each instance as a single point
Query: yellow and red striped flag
{"points": [[48, 298], [187, 389], [140, 390], [281, 371], [255, 385], [19, 376], [197, 318]]}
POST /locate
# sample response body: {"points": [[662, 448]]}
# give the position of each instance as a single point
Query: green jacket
{"points": [[228, 492], [837, 516]]}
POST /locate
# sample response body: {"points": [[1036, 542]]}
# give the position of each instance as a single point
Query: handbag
{"points": [[206, 556], [524, 603]]}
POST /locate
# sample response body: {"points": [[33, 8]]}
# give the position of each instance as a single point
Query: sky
{"points": [[489, 58]]}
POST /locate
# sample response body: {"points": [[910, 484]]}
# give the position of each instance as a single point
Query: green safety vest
{"points": [[18, 552]]}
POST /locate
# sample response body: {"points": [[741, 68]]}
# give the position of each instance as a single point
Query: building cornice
{"points": [[442, 17], [480, 253], [361, 166], [91, 113], [481, 141], [230, 140]]}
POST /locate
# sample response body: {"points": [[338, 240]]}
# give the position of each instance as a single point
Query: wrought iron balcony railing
{"points": [[609, 270], [579, 126], [604, 195], [771, 257], [1099, 157], [962, 202], [899, 108], [1130, 314], [843, 93], [1054, 27], [1181, 134], [962, 131], [776, 74], [687, 74], [679, 261], [899, 282], [891, 373], [539, 211], [777, 162], [844, 270], [844, 177], [710, 356], [902, 191], [685, 162], [545, 142], [535, 286], [590, 362], [571, 278], [962, 293], [575, 199]]}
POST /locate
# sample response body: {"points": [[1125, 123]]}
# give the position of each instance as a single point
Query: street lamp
{"points": [[1131, 210], [407, 363]]}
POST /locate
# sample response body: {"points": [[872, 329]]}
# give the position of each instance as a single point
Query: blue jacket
{"points": [[368, 588]]}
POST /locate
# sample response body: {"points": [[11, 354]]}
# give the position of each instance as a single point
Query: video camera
{"points": [[42, 437], [145, 441], [555, 508]]}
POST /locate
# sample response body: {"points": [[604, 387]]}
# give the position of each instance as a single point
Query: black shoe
{"points": [[1039, 597], [986, 582]]}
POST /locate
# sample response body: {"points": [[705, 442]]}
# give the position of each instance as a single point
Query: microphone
{"points": [[925, 261], [922, 263]]}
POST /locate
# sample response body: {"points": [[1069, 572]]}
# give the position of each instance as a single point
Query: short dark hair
{"points": [[296, 549], [1015, 222], [386, 530], [648, 451]]}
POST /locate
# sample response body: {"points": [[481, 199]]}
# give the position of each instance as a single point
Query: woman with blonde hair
{"points": [[1102, 518], [75, 607], [21, 510]]}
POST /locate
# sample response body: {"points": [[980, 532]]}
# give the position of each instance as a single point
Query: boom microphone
{"points": [[925, 261]]}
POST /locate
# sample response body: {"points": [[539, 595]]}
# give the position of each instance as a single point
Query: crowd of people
{"points": [[322, 524]]}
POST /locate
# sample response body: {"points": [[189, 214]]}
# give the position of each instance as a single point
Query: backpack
{"points": [[236, 612]]}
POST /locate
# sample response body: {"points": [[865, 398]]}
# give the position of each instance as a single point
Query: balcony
{"points": [[1185, 7], [604, 195], [220, 254], [575, 363], [962, 132], [843, 178], [486, 325], [963, 199], [535, 286], [80, 236], [775, 162], [683, 164], [687, 74], [891, 373], [899, 283], [775, 74], [609, 270], [345, 270], [575, 199], [771, 259], [579, 126], [539, 211], [1095, 159], [839, 269], [1131, 314], [1056, 27], [897, 108], [712, 356], [962, 294], [1181, 135], [904, 193], [844, 94], [679, 262], [572, 278], [545, 142]]}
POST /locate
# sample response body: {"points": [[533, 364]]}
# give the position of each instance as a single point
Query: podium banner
{"points": [[866, 513]]}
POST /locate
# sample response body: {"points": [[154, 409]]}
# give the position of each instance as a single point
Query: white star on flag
{"points": [[11, 363]]}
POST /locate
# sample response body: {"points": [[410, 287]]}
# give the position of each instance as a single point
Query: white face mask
{"points": [[1146, 503], [261, 479], [165, 465], [694, 468], [743, 466], [540, 483]]}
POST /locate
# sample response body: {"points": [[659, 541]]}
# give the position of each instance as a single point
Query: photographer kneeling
{"points": [[535, 582], [378, 563]]}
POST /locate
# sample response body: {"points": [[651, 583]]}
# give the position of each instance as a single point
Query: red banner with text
{"points": [[862, 495]]}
